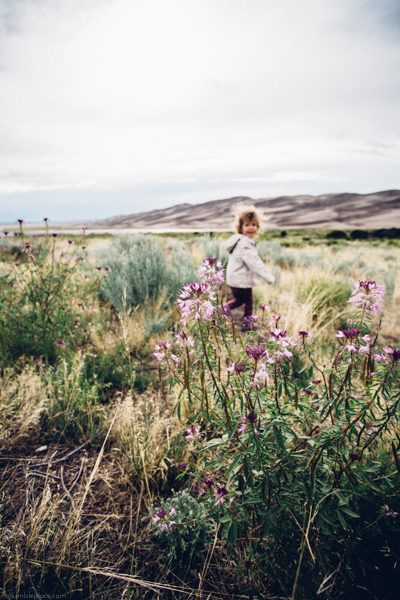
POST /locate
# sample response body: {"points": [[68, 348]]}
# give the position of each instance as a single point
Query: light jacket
{"points": [[245, 267]]}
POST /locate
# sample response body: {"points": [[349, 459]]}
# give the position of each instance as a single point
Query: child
{"points": [[245, 266]]}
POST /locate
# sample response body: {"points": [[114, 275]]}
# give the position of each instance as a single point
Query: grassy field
{"points": [[127, 474]]}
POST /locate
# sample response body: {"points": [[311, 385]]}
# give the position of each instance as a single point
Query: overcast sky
{"points": [[118, 106]]}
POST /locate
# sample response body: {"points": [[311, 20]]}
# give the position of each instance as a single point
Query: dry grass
{"points": [[23, 399], [144, 430]]}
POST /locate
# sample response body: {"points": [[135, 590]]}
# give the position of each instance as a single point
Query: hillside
{"points": [[330, 211]]}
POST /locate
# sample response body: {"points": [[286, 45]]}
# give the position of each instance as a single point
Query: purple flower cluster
{"points": [[389, 354], [350, 341], [368, 296], [236, 368], [196, 301], [251, 419], [192, 432], [163, 519], [256, 353], [211, 272], [283, 343]]}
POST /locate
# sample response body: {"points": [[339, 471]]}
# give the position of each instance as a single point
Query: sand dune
{"points": [[330, 211]]}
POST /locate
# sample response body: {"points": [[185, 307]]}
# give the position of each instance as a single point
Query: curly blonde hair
{"points": [[246, 214]]}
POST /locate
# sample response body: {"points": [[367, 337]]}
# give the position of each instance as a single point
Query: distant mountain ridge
{"points": [[327, 211]]}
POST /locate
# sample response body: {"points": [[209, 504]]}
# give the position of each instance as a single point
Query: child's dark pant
{"points": [[242, 296]]}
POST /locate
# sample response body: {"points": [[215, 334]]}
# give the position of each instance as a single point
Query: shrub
{"points": [[359, 234], [273, 252], [182, 529], [42, 304], [337, 234], [139, 272], [74, 412]]}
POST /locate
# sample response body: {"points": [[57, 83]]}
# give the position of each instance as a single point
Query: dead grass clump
{"points": [[23, 399], [144, 431]]}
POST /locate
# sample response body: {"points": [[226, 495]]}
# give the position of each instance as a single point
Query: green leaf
{"points": [[341, 519], [279, 437], [232, 533], [349, 512]]}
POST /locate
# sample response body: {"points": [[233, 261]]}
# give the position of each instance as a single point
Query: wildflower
{"points": [[250, 419], [380, 357], [195, 300], [393, 353], [249, 323], [389, 512], [242, 428], [220, 493], [256, 353], [184, 340], [349, 334], [365, 350], [304, 334], [236, 368], [277, 334], [261, 375], [158, 515], [60, 343], [368, 296], [283, 341], [163, 346], [45, 219], [6, 233], [209, 481], [264, 307], [226, 310], [161, 349], [211, 272], [54, 235], [276, 319], [192, 432], [176, 359]]}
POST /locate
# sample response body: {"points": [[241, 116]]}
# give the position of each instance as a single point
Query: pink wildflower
{"points": [[243, 426], [368, 296], [192, 432], [236, 368], [261, 375], [195, 300], [220, 493], [211, 272], [184, 340], [256, 353]]}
